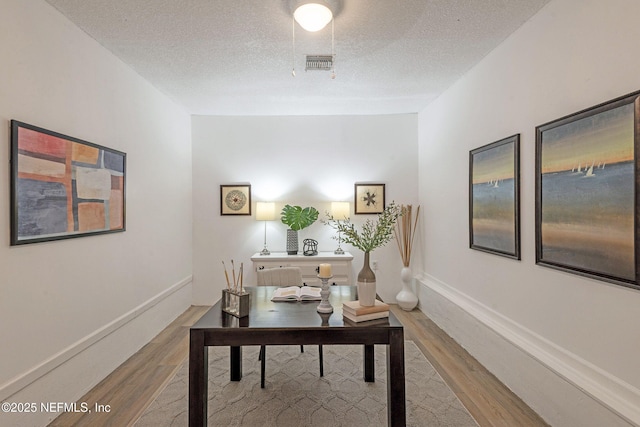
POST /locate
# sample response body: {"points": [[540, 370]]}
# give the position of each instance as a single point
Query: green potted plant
{"points": [[296, 218], [374, 234]]}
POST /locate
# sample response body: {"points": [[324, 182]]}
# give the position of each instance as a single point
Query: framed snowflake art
{"points": [[369, 198]]}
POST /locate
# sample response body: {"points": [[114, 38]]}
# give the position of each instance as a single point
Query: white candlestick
{"points": [[325, 271], [325, 306]]}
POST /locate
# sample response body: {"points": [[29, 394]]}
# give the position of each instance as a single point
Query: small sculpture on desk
{"points": [[310, 247]]}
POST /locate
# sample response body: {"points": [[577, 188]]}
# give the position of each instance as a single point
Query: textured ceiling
{"points": [[234, 57]]}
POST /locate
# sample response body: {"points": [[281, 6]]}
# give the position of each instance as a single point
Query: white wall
{"points": [[580, 336], [73, 310], [299, 160]]}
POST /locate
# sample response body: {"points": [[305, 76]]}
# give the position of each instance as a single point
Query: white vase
{"points": [[406, 298]]}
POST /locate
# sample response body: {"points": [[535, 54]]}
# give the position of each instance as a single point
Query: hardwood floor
{"points": [[131, 388], [484, 396], [136, 383]]}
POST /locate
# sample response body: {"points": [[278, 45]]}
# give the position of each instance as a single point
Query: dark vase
{"points": [[292, 242], [366, 284]]}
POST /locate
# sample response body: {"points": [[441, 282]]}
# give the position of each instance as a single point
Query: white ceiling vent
{"points": [[319, 62]]}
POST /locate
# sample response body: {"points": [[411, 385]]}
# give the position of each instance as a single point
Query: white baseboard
{"points": [[591, 395], [69, 374]]}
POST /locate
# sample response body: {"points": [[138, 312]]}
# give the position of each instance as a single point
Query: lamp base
{"points": [[339, 251], [265, 251]]}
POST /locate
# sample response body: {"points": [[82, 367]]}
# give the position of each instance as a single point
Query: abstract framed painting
{"points": [[494, 198], [587, 193], [235, 199], [63, 187], [369, 199]]}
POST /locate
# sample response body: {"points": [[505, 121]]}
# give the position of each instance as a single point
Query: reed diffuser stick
{"points": [[235, 284], [226, 275], [241, 275]]}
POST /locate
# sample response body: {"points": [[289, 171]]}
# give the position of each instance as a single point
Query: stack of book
{"points": [[353, 312]]}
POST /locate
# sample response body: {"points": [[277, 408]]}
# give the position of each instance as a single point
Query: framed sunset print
{"points": [[494, 197], [63, 187], [587, 192]]}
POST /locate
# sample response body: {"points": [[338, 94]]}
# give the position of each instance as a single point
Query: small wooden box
{"points": [[235, 303]]}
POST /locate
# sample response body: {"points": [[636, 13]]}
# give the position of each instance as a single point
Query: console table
{"points": [[340, 265]]}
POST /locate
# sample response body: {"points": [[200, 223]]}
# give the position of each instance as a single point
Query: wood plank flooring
{"points": [[484, 396], [131, 388]]}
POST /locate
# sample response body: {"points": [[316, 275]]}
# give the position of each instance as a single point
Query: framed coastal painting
{"points": [[63, 187], [494, 198], [369, 198], [235, 199], [587, 192]]}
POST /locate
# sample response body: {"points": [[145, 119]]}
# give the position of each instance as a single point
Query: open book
{"points": [[297, 293]]}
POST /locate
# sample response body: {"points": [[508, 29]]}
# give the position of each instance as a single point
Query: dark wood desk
{"points": [[280, 323]]}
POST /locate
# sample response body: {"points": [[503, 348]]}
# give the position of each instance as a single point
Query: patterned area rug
{"points": [[295, 395]]}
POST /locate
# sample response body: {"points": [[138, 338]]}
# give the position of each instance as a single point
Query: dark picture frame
{"points": [[369, 198], [63, 187], [587, 192], [235, 199], [494, 198]]}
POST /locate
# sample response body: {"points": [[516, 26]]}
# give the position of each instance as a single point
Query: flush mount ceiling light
{"points": [[313, 16]]}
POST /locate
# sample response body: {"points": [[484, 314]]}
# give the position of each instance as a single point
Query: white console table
{"points": [[309, 265]]}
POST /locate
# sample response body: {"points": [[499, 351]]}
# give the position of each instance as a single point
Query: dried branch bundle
{"points": [[405, 232]]}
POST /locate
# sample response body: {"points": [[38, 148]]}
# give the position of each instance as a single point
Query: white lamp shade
{"points": [[265, 211], [313, 16], [340, 210]]}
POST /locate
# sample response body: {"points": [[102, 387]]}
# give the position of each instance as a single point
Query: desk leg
{"points": [[235, 364], [369, 364], [198, 379], [396, 402]]}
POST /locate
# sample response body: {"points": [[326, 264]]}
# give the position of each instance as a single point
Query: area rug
{"points": [[295, 395]]}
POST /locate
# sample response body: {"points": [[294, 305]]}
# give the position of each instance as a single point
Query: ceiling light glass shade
{"points": [[265, 211], [313, 16]]}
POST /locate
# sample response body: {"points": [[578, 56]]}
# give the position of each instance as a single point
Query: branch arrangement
{"points": [[405, 232], [374, 234]]}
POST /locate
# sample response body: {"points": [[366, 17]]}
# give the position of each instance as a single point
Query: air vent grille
{"points": [[319, 62]]}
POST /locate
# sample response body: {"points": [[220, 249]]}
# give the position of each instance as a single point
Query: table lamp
{"points": [[340, 212], [265, 211]]}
